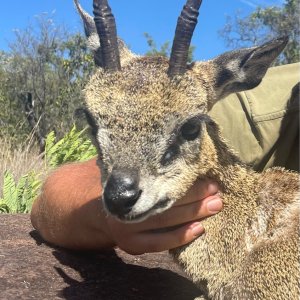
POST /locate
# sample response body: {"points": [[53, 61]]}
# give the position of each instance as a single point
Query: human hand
{"points": [[69, 214], [173, 228]]}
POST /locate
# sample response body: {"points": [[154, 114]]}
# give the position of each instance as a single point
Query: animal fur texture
{"points": [[157, 127]]}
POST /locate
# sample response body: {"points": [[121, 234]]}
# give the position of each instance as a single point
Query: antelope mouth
{"points": [[134, 217]]}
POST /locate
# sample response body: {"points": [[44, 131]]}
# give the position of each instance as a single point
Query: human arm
{"points": [[68, 213]]}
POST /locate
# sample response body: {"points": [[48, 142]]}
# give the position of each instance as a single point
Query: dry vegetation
{"points": [[20, 160]]}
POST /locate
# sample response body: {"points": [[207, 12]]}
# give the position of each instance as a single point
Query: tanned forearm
{"points": [[68, 212]]}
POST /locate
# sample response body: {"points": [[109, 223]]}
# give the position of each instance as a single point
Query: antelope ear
{"points": [[93, 42], [244, 69]]}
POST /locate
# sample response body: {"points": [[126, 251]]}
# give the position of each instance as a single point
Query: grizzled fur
{"points": [[250, 249], [135, 111]]}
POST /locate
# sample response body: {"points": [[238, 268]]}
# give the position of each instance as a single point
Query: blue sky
{"points": [[134, 17]]}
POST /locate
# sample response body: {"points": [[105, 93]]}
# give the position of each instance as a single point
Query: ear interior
{"points": [[244, 69]]}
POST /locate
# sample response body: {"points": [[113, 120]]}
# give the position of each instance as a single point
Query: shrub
{"points": [[74, 146], [18, 196], [19, 191]]}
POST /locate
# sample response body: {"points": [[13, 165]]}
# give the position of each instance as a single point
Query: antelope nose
{"points": [[121, 191]]}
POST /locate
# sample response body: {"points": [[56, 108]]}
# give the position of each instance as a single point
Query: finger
{"points": [[157, 242], [183, 214], [200, 190]]}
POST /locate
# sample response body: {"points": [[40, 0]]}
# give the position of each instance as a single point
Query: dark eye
{"points": [[170, 154], [190, 130]]}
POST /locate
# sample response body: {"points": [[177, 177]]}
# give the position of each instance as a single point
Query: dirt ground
{"points": [[31, 269]]}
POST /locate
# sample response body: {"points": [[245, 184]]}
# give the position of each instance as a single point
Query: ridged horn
{"points": [[186, 24], [107, 32]]}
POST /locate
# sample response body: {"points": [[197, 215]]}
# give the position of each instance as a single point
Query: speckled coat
{"points": [[139, 115], [250, 249]]}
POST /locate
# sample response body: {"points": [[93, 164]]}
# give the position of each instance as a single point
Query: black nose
{"points": [[121, 191]]}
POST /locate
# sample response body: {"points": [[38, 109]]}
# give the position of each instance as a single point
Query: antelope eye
{"points": [[190, 130]]}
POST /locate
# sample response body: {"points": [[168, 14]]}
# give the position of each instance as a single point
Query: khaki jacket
{"points": [[262, 125]]}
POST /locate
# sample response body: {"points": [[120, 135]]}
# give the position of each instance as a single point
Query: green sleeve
{"points": [[262, 125]]}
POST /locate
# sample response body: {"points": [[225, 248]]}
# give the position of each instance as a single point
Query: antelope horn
{"points": [[186, 24], [107, 32]]}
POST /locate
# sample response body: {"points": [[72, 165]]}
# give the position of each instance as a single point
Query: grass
{"points": [[20, 160], [21, 171]]}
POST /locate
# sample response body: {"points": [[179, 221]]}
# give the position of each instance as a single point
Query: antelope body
{"points": [[150, 125]]}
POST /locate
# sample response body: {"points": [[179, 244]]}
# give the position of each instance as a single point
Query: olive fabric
{"points": [[262, 124]]}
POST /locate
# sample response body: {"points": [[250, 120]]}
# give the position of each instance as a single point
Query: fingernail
{"points": [[197, 229], [212, 188], [214, 206]]}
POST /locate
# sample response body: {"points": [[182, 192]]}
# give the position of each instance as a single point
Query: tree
{"points": [[4, 105], [165, 48], [52, 66], [264, 24]]}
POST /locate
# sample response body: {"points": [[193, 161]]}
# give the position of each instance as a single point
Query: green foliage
{"points": [[18, 196], [74, 146], [153, 50], [165, 48], [51, 64], [265, 23]]}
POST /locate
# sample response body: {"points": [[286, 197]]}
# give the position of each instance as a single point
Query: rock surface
{"points": [[31, 269]]}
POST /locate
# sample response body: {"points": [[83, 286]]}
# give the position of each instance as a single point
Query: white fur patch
{"points": [[234, 66]]}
